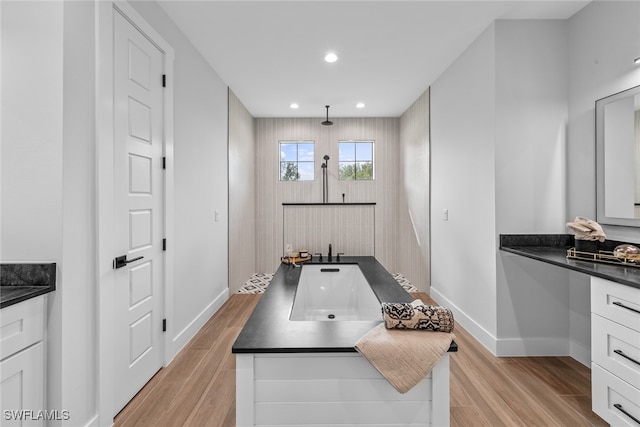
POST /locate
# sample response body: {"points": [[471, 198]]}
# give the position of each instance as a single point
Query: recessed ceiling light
{"points": [[360, 105], [294, 106], [637, 60], [331, 57]]}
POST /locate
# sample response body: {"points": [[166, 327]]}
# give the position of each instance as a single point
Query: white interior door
{"points": [[138, 209]]}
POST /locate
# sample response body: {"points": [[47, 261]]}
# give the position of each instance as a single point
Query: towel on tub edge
{"points": [[417, 315], [403, 357]]}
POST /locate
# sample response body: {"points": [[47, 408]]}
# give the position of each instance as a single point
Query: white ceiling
{"points": [[270, 53]]}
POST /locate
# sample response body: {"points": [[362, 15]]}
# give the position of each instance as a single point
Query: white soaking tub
{"points": [[334, 293]]}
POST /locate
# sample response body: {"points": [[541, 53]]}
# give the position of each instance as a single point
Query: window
{"points": [[355, 160], [296, 161]]}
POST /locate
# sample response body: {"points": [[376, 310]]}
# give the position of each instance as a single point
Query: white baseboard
{"points": [[581, 353], [547, 346], [182, 338], [479, 333]]}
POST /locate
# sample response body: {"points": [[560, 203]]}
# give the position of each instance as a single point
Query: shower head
{"points": [[327, 122], [326, 157]]}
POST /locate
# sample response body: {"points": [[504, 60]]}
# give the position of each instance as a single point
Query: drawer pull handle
{"points": [[619, 352], [619, 304], [621, 409]]}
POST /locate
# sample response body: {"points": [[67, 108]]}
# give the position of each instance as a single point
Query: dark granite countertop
{"points": [[269, 329], [22, 281], [552, 249]]}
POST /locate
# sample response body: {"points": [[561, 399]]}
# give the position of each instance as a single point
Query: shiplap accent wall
{"points": [[242, 231], [413, 227], [349, 228], [271, 192]]}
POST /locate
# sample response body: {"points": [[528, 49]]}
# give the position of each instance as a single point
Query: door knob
{"points": [[122, 261]]}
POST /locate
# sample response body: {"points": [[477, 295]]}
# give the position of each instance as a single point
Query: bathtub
{"points": [[296, 366], [334, 293]]}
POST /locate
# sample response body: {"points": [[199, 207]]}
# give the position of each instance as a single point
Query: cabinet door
{"points": [[22, 388]]}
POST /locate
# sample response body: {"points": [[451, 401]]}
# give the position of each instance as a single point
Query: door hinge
{"points": [[164, 244], [164, 80], [164, 325], [164, 163]]}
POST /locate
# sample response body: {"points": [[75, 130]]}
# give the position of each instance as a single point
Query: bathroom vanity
{"points": [[615, 324], [308, 372], [23, 294]]}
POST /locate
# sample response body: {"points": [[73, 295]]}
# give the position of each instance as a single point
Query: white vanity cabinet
{"points": [[615, 352], [22, 363]]}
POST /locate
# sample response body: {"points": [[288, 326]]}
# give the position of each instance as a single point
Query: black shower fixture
{"points": [[325, 179], [327, 122]]}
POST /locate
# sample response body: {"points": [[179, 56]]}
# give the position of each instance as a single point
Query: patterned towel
{"points": [[406, 357], [417, 315]]}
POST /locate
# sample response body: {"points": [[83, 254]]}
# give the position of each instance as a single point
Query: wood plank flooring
{"points": [[198, 387]]}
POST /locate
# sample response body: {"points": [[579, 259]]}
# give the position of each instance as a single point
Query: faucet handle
{"points": [[340, 253], [318, 253]]}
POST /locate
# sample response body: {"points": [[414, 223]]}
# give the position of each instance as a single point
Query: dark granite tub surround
{"points": [[21, 281], [552, 249], [269, 329]]}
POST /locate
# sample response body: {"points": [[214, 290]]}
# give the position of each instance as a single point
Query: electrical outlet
{"points": [[445, 214]]}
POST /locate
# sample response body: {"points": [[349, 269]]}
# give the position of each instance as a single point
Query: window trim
{"points": [[297, 162], [355, 161]]}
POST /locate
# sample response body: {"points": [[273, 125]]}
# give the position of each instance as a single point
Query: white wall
{"points": [[242, 194], [531, 120], [32, 155], [413, 193], [600, 64], [463, 273], [498, 138], [32, 91], [201, 182], [78, 272]]}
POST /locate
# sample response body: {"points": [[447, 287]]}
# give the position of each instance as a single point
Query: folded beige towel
{"points": [[417, 315], [586, 229], [403, 357]]}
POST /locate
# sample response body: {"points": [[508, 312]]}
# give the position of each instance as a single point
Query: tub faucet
{"points": [[329, 254]]}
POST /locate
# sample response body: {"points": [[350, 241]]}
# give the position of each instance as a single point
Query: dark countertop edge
{"points": [[27, 293], [330, 204], [281, 292], [556, 255], [453, 348]]}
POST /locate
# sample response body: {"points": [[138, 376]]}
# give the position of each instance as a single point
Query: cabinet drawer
{"points": [[614, 400], [616, 348], [21, 325], [616, 302]]}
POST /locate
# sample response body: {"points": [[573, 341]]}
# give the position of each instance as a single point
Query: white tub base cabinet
{"points": [[333, 389]]}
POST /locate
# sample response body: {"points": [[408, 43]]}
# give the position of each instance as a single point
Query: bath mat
{"points": [[403, 357], [402, 281], [258, 283]]}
